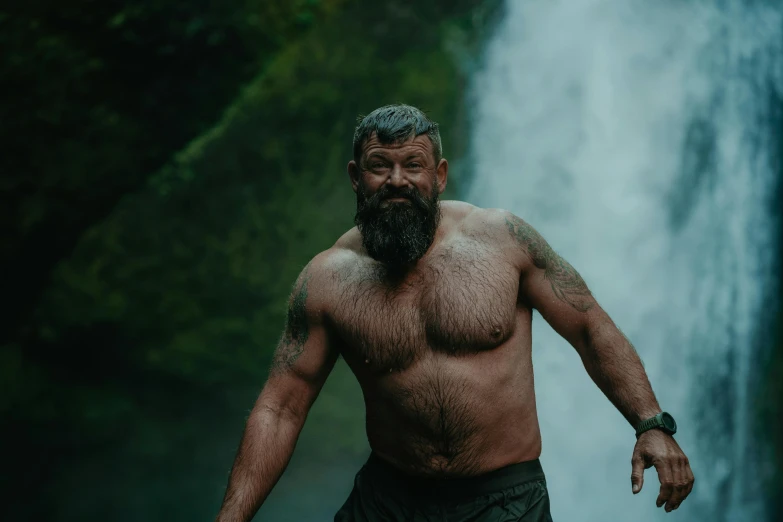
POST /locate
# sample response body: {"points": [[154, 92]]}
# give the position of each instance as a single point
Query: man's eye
{"points": [[377, 165], [414, 165]]}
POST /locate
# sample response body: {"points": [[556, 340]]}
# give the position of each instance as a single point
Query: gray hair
{"points": [[395, 124]]}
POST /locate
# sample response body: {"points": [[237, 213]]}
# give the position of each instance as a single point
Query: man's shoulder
{"points": [[350, 241], [492, 223], [502, 231], [457, 210], [330, 263]]}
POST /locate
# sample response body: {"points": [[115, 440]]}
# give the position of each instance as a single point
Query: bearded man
{"points": [[430, 304]]}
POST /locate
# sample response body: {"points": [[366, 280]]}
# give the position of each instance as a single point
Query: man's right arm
{"points": [[301, 364]]}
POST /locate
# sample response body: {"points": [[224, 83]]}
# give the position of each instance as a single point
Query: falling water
{"points": [[629, 135]]}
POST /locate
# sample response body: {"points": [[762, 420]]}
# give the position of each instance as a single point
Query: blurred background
{"points": [[168, 167]]}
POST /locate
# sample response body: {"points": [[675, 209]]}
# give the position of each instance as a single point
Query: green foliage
{"points": [[179, 239], [102, 95], [168, 169], [199, 264]]}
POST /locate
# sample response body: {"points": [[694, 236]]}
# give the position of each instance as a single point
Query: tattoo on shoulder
{"points": [[566, 282], [296, 329]]}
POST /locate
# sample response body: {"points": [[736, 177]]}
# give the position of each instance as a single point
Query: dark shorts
{"points": [[382, 493]]}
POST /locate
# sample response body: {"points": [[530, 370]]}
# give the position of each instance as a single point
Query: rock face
{"points": [[171, 167]]}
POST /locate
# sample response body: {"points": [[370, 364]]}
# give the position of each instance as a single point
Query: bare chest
{"points": [[460, 301]]}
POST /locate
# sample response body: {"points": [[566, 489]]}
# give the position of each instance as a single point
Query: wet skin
{"points": [[443, 354], [441, 349]]}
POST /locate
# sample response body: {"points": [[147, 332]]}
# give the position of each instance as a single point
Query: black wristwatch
{"points": [[663, 420]]}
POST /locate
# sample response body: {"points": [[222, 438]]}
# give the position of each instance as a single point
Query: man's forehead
{"points": [[418, 144]]}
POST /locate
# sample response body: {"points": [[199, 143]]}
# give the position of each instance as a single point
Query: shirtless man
{"points": [[430, 304]]}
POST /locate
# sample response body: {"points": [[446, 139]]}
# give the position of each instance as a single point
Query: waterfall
{"points": [[629, 134]]}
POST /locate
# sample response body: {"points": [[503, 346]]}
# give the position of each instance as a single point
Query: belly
{"points": [[456, 416]]}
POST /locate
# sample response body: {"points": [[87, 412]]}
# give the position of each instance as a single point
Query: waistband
{"points": [[455, 487]]}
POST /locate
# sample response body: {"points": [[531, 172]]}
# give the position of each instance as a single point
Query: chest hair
{"points": [[460, 301]]}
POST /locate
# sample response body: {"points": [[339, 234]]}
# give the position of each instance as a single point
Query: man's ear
{"points": [[442, 174], [354, 174]]}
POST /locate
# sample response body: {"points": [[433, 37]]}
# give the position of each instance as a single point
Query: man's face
{"points": [[397, 188]]}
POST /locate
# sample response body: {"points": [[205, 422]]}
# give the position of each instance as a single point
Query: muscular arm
{"points": [[301, 364], [552, 286]]}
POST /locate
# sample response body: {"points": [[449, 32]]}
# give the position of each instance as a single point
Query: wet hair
{"points": [[395, 124]]}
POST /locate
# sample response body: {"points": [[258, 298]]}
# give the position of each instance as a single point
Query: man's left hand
{"points": [[656, 448]]}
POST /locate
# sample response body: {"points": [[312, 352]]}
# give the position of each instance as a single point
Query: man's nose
{"points": [[397, 177]]}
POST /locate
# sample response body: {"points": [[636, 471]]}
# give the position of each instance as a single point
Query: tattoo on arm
{"points": [[296, 329], [565, 281]]}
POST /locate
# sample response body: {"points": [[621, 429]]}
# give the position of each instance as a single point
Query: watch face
{"points": [[668, 422]]}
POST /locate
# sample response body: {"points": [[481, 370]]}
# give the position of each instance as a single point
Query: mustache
{"points": [[387, 192]]}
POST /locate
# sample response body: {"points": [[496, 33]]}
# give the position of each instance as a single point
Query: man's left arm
{"points": [[553, 287]]}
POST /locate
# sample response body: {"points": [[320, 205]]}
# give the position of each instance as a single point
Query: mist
{"points": [[632, 135]]}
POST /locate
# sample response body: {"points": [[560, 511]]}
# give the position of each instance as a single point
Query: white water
{"points": [[581, 113]]}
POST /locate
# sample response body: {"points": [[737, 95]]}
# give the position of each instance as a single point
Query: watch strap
{"points": [[648, 424]]}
